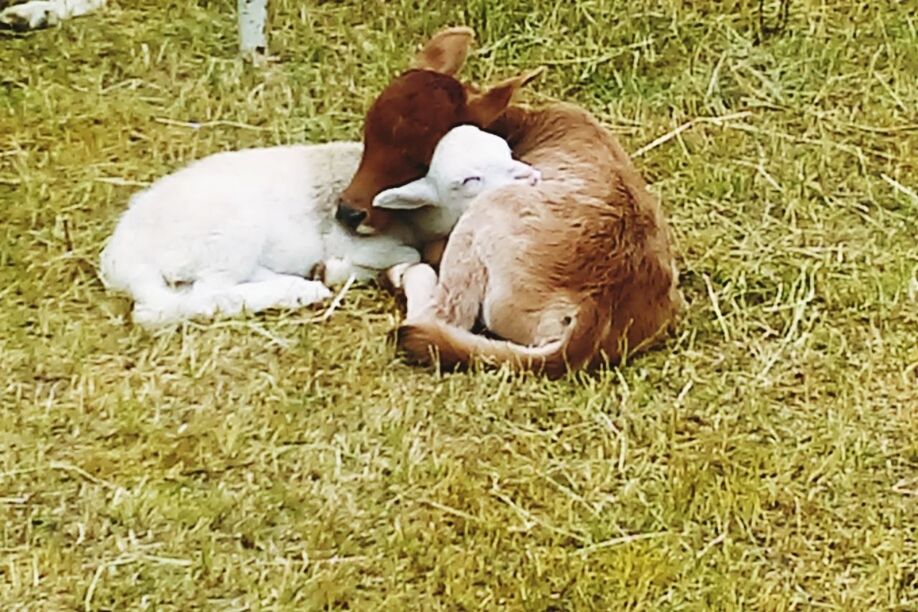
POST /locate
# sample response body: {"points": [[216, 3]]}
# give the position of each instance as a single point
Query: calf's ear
{"points": [[484, 108], [446, 51], [416, 194]]}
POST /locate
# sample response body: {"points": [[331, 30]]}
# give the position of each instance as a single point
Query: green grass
{"points": [[765, 458]]}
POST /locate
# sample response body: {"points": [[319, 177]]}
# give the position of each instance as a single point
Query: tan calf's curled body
{"points": [[571, 273], [575, 272]]}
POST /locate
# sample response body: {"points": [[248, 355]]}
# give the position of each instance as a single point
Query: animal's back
{"points": [[589, 237], [229, 212]]}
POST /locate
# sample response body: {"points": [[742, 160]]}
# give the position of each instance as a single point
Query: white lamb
{"points": [[238, 231]]}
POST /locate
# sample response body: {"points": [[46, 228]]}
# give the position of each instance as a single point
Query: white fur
{"points": [[466, 162], [238, 231], [45, 13]]}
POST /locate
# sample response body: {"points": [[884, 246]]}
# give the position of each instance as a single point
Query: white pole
{"points": [[253, 25]]}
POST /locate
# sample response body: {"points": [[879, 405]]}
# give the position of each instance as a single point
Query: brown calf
{"points": [[575, 272]]}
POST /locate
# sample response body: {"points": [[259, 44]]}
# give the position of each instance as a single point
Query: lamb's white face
{"points": [[466, 162]]}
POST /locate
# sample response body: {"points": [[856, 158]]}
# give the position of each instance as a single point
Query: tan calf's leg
{"points": [[417, 282]]}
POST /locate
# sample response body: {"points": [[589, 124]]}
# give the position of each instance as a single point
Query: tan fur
{"points": [[574, 273]]}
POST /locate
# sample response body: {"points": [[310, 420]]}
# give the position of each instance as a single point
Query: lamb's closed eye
{"points": [[468, 187], [464, 183]]}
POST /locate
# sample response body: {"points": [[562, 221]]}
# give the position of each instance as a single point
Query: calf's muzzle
{"points": [[351, 217]]}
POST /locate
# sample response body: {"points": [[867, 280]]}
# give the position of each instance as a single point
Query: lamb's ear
{"points": [[486, 107], [409, 196], [446, 51], [520, 171]]}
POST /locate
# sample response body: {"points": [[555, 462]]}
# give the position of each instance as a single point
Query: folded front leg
{"points": [[418, 282], [379, 253], [272, 290]]}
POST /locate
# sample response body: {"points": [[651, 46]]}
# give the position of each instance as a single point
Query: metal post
{"points": [[253, 26]]}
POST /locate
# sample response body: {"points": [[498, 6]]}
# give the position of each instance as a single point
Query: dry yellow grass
{"points": [[764, 458]]}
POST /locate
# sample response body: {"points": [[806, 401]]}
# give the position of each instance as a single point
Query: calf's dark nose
{"points": [[350, 217]]}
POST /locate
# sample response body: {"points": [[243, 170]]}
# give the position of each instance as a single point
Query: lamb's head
{"points": [[466, 162]]}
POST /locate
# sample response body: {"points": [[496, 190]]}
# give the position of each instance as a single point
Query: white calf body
{"points": [[239, 231]]}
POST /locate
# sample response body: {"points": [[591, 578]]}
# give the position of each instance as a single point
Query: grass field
{"points": [[765, 458]]}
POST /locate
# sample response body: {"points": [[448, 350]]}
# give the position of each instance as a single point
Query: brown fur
{"points": [[573, 273]]}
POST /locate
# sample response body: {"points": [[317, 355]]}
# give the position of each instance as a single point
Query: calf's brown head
{"points": [[409, 117]]}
